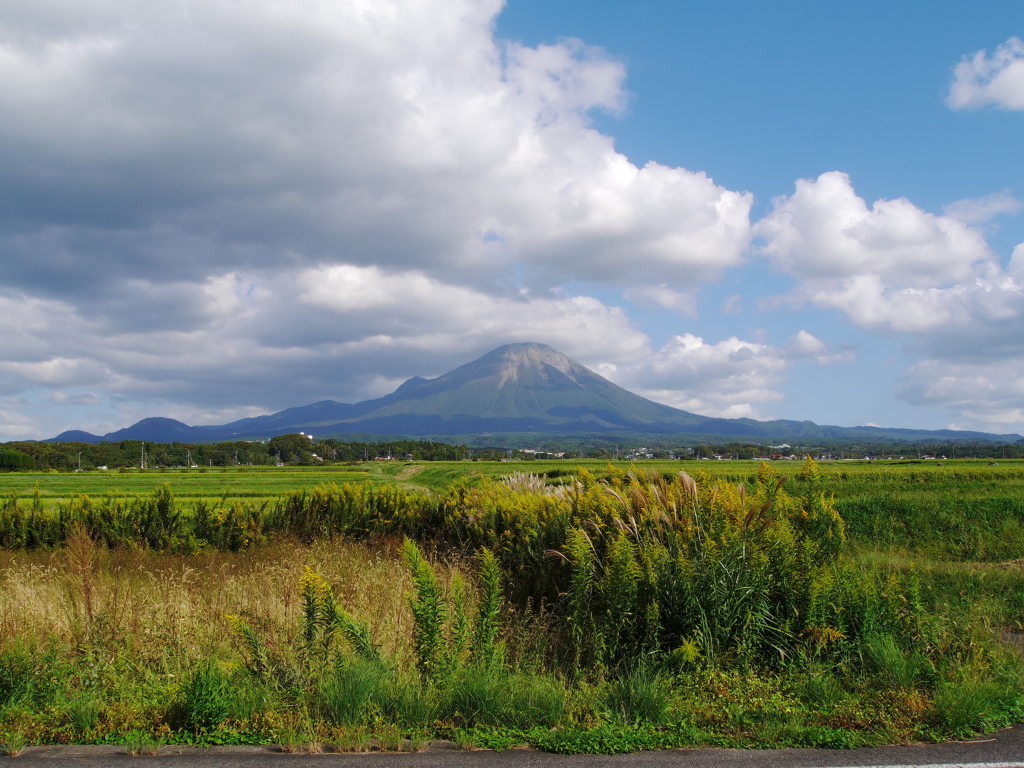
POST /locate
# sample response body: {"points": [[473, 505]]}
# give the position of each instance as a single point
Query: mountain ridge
{"points": [[517, 388]]}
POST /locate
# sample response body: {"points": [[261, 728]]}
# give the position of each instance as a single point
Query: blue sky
{"points": [[779, 210], [759, 94]]}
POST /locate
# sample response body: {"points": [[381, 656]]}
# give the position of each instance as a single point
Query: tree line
{"points": [[284, 449], [300, 449]]}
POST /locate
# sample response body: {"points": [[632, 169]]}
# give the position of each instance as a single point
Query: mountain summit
{"points": [[525, 388]]}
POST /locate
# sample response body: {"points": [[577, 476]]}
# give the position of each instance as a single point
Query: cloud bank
{"points": [[213, 205], [929, 280], [729, 379], [216, 209]]}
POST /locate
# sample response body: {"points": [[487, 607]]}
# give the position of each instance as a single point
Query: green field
{"points": [[233, 482], [856, 477], [965, 510], [792, 604]]}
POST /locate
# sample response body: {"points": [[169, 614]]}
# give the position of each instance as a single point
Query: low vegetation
{"points": [[604, 610]]}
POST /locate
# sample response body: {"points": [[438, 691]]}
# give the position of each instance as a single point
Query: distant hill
{"points": [[517, 388]]}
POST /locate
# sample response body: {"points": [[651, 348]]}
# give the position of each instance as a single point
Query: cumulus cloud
{"points": [[996, 80], [180, 139], [986, 396], [216, 209], [351, 333], [220, 208], [413, 310], [732, 378], [927, 279], [273, 341], [805, 346], [824, 231], [893, 267]]}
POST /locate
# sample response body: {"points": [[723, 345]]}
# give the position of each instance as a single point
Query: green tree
{"points": [[14, 461], [292, 448]]}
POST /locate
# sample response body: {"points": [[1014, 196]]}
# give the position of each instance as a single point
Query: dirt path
{"points": [[412, 471]]}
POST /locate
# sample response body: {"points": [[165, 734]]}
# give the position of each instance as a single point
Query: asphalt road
{"points": [[1004, 749]]}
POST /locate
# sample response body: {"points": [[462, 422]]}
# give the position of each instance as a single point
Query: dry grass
{"points": [[182, 602]]}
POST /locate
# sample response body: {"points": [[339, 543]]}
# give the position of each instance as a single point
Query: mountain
{"points": [[521, 388], [154, 429]]}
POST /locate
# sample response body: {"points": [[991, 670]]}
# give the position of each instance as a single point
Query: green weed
{"points": [[14, 744], [641, 694], [352, 690]]}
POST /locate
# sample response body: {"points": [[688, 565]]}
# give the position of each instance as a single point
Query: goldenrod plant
{"points": [[633, 609]]}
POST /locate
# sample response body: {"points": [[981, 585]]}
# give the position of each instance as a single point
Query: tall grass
{"points": [[964, 511], [634, 601]]}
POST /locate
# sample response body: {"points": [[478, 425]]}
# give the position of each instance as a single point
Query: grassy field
{"points": [[851, 479], [969, 510], [852, 603], [232, 482]]}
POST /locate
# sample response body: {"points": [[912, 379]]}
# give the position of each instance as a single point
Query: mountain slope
{"points": [[516, 388], [524, 383]]}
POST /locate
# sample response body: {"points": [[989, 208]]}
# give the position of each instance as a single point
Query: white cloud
{"points": [[805, 346], [19, 422], [411, 309], [824, 232], [216, 209], [730, 379], [272, 341], [57, 371], [983, 81], [351, 333], [893, 268], [75, 398], [930, 280], [663, 296], [983, 209], [982, 396], [733, 305]]}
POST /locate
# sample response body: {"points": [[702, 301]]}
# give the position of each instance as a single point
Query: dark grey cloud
{"points": [[181, 182]]}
